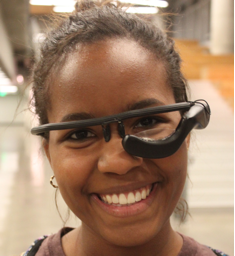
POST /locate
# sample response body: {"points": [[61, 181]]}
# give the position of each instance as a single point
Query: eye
{"points": [[81, 135], [147, 122], [79, 139]]}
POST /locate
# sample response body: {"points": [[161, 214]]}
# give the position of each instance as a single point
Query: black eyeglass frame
{"points": [[42, 129], [196, 115]]}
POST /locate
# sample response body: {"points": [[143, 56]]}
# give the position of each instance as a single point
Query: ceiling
{"points": [[16, 19], [17, 16]]}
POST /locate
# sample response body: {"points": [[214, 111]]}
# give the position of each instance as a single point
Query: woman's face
{"points": [[102, 79]]}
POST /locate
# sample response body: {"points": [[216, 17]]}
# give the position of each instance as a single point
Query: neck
{"points": [[84, 242]]}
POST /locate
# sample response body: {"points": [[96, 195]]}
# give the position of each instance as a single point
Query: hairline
{"points": [[61, 60]]}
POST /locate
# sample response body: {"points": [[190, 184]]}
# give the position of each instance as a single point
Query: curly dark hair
{"points": [[92, 22]]}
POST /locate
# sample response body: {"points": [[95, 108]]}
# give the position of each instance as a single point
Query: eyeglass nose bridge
{"points": [[107, 131]]}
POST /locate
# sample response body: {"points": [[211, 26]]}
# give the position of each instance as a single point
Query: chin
{"points": [[130, 240], [134, 235]]}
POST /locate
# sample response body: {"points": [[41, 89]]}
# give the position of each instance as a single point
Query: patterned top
{"points": [[32, 250], [218, 252], [52, 246]]}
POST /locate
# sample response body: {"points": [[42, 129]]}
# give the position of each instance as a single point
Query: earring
{"points": [[51, 181]]}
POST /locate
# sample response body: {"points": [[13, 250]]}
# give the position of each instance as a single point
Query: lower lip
{"points": [[127, 210]]}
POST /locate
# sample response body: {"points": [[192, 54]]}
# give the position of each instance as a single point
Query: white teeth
{"points": [[126, 199], [131, 198], [122, 199], [143, 194], [137, 196], [109, 199], [115, 199]]}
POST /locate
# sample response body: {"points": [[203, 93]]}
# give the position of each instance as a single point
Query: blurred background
{"points": [[204, 35]]}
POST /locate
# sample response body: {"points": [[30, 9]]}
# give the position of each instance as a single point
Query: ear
{"points": [[45, 144]]}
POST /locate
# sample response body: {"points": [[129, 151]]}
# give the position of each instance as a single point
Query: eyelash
{"points": [[134, 125], [157, 120], [69, 136]]}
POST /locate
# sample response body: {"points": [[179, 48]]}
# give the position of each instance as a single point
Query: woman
{"points": [[115, 119]]}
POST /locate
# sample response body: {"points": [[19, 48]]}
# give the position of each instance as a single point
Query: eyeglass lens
{"points": [[154, 127]]}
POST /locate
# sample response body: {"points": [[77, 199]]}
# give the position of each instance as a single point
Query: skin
{"points": [[102, 79]]}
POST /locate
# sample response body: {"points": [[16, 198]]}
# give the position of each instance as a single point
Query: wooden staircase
{"points": [[198, 63]]}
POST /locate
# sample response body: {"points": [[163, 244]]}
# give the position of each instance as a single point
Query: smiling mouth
{"points": [[128, 198]]}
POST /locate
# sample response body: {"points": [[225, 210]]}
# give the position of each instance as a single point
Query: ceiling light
{"points": [[40, 2], [6, 85], [4, 80], [141, 10], [8, 89], [53, 2], [156, 3]]}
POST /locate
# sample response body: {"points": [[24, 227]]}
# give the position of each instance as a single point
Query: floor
{"points": [[27, 201], [211, 153]]}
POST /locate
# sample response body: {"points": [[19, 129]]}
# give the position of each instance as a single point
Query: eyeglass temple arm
{"points": [[197, 117]]}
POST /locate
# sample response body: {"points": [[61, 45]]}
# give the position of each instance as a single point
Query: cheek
{"points": [[68, 162], [174, 171], [72, 173]]}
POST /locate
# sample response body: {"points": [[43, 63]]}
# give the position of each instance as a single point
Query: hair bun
{"points": [[83, 5]]}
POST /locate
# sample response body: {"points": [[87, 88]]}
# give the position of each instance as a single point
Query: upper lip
{"points": [[124, 188]]}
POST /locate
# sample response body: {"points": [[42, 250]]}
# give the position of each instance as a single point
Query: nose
{"points": [[114, 159]]}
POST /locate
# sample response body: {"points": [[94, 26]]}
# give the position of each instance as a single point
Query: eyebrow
{"points": [[137, 105], [144, 103], [77, 117]]}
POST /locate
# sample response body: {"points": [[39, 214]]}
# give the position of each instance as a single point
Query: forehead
{"points": [[113, 73]]}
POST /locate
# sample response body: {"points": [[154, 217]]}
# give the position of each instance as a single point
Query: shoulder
{"points": [[193, 248], [47, 245]]}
